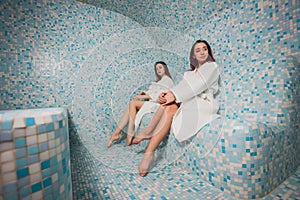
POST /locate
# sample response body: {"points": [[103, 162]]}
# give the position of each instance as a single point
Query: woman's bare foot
{"points": [[140, 138], [146, 163], [143, 135], [113, 138], [129, 138]]}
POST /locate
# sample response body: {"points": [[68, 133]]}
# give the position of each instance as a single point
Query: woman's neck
{"points": [[200, 65]]}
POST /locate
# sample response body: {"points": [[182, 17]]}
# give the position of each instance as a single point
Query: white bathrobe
{"points": [[198, 103], [154, 91]]}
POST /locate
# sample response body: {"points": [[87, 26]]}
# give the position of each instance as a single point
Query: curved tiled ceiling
{"points": [[170, 14]]}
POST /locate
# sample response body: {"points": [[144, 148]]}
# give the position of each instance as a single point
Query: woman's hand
{"points": [[161, 98], [166, 98], [142, 96], [137, 96]]}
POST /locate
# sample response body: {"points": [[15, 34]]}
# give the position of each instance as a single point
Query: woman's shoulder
{"points": [[166, 78], [209, 66], [166, 81], [211, 63]]}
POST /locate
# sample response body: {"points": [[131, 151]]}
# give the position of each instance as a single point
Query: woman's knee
{"points": [[133, 102], [171, 109]]}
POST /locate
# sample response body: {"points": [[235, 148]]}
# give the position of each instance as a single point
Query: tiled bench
{"points": [[35, 154]]}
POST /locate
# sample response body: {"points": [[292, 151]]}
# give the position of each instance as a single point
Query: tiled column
{"points": [[35, 154]]}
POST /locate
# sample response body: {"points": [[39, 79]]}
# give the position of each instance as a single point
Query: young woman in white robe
{"points": [[187, 107], [139, 106]]}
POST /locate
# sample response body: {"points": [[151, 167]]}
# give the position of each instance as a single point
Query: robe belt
{"points": [[208, 96]]}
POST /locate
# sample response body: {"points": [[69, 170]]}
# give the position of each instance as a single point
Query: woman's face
{"points": [[201, 52], [160, 70]]}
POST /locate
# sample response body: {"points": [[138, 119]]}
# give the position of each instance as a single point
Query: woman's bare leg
{"points": [[134, 106], [164, 126], [146, 133], [122, 123]]}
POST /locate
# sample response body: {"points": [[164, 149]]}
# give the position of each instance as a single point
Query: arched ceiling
{"points": [[170, 14]]}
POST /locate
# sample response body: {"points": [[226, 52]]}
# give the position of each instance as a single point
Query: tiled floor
{"points": [[93, 181]]}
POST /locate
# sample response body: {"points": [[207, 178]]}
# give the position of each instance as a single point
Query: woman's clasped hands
{"points": [[166, 98]]}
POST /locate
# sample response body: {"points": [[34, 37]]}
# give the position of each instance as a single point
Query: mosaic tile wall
{"points": [[90, 59], [45, 45], [35, 154]]}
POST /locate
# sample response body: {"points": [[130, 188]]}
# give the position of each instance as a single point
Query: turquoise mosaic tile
{"points": [[36, 187], [22, 172], [20, 142], [47, 182], [34, 149], [6, 125], [29, 121], [23, 182], [25, 191], [21, 162]]}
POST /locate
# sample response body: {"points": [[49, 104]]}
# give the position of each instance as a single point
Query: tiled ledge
{"points": [[35, 154]]}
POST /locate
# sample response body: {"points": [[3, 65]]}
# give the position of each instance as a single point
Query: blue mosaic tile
{"points": [[33, 149], [45, 164], [53, 161], [22, 172], [21, 162], [23, 182], [20, 152], [36, 187], [6, 124], [48, 191], [30, 121], [46, 173], [43, 146], [47, 182], [54, 169], [25, 191], [50, 127], [42, 128], [11, 187], [5, 137], [20, 142]]}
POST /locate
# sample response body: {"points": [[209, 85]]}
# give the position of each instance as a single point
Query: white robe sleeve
{"points": [[207, 75], [158, 87], [154, 90]]}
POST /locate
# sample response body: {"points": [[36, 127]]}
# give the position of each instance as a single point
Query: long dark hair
{"points": [[193, 61], [158, 78]]}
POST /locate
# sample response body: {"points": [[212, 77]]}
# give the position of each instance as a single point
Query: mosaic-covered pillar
{"points": [[35, 154]]}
